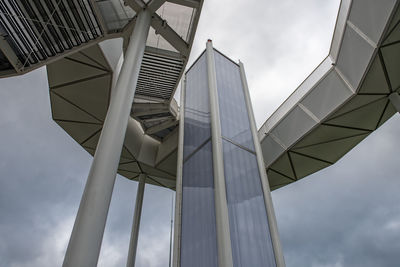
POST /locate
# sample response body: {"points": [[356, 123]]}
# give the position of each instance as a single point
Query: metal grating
{"points": [[39, 29], [158, 76]]}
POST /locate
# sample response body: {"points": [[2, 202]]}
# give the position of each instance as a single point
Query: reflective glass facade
{"points": [[199, 238], [232, 106], [250, 236], [251, 243], [197, 107]]}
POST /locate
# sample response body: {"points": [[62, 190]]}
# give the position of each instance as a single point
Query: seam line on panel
{"points": [[284, 175], [238, 145], [382, 114], [361, 34], [385, 72], [197, 149], [278, 141], [331, 141], [272, 127], [354, 109], [347, 127], [309, 113], [292, 165], [343, 78], [312, 157]]}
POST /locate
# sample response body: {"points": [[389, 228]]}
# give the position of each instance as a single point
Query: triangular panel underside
{"points": [[332, 151], [366, 117], [305, 165], [65, 110]]}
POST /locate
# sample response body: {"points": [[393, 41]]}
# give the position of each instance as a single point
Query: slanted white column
{"points": [[395, 100], [273, 227], [85, 242], [178, 188], [136, 222], [221, 206]]}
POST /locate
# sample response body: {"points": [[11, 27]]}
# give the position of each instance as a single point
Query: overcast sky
{"points": [[345, 215]]}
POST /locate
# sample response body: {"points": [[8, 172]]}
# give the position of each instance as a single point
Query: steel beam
{"points": [[221, 207], [154, 5], [100, 18], [136, 222], [136, 5], [10, 54], [395, 100], [273, 228], [176, 259], [161, 27], [188, 3], [85, 243]]}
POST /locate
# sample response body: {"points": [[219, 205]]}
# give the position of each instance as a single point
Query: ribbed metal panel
{"points": [[39, 29], [158, 76]]}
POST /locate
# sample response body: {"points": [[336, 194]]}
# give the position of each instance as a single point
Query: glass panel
{"points": [[271, 150], [330, 93], [339, 28], [199, 244], [115, 13], [197, 107], [250, 236], [232, 106], [298, 94], [178, 17], [157, 41], [293, 126], [371, 16], [354, 56]]}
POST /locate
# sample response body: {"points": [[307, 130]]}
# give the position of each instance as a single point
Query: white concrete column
{"points": [[136, 222], [85, 242], [395, 100], [273, 228], [221, 206]]}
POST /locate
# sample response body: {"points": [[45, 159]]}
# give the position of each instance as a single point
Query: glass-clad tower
{"points": [[225, 214]]}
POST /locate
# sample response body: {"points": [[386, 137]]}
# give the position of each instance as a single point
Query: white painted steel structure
{"points": [[87, 234], [82, 75], [357, 76], [273, 227], [93, 87], [344, 100], [136, 222], [348, 96], [221, 206], [303, 135]]}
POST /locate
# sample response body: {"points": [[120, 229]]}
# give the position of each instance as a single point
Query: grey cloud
{"points": [[347, 213]]}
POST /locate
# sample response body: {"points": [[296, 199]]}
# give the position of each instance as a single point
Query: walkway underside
{"points": [[336, 107], [82, 43], [343, 101]]}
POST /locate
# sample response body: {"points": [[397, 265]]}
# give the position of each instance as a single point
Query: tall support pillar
{"points": [[227, 216], [221, 206], [395, 100], [273, 228], [85, 242], [136, 222], [178, 188]]}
